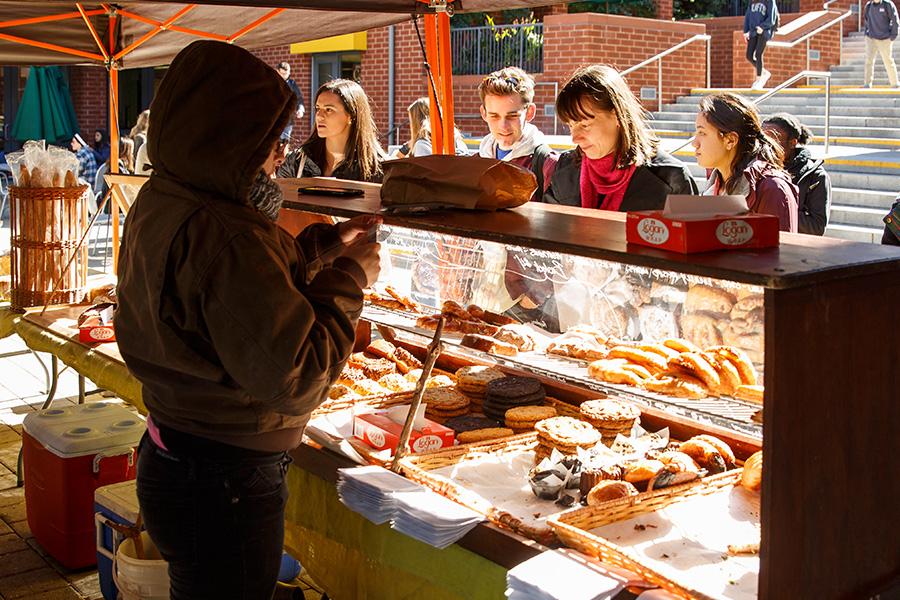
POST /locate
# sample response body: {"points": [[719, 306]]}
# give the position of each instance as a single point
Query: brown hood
{"points": [[208, 84]]}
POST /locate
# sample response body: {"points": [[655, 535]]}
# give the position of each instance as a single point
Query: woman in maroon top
{"points": [[743, 160]]}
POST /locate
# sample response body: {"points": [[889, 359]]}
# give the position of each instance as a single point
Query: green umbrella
{"points": [[46, 111]]}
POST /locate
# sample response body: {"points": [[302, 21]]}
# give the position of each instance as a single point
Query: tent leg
{"points": [[445, 81], [437, 103]]}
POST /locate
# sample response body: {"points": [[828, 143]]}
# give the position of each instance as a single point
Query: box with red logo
{"points": [[380, 431], [96, 324], [691, 224]]}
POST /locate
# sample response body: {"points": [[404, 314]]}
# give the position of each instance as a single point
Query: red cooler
{"points": [[68, 453]]}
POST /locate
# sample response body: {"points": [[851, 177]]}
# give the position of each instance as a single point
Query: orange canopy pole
{"points": [[444, 81], [93, 31], [242, 32], [155, 23], [114, 136], [50, 18], [431, 55], [157, 29], [61, 49]]}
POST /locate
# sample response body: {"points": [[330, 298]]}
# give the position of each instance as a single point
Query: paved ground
{"points": [[25, 569]]}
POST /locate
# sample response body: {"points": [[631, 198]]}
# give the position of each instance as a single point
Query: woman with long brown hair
{"points": [[617, 164], [344, 142], [419, 143], [744, 160]]}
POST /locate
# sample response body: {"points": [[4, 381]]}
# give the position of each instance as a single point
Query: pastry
{"points": [[729, 377], [475, 312], [660, 349], [592, 332], [696, 365], [610, 490], [437, 381], [473, 380], [351, 374], [444, 399], [750, 307], [497, 319], [610, 319], [610, 417], [667, 294], [750, 393], [381, 349], [376, 368], [382, 301], [704, 298], [566, 432], [706, 455], [592, 476], [678, 461], [339, 390], [752, 343], [722, 448], [701, 330], [523, 418], [517, 335], [483, 435], [679, 386], [657, 323], [613, 371], [367, 387], [751, 478], [454, 309], [652, 362], [642, 470], [396, 383], [427, 322], [488, 344], [510, 392], [741, 362], [407, 302], [470, 423], [680, 345], [405, 360], [583, 349]]}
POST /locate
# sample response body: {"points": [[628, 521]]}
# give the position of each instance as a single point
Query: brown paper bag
{"points": [[439, 181]]}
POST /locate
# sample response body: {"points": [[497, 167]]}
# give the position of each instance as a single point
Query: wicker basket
{"points": [[47, 224], [574, 526]]}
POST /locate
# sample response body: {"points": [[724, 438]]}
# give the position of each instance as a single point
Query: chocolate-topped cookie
{"points": [[471, 423], [513, 387]]}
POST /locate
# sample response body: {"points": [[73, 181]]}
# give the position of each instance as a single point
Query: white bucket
{"points": [[141, 579]]}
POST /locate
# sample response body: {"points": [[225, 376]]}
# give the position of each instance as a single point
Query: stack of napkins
{"points": [[381, 496], [370, 491], [432, 519], [561, 575]]}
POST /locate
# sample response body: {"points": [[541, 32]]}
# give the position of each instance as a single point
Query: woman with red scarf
{"points": [[617, 164]]}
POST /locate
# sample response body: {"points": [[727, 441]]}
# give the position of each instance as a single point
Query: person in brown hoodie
{"points": [[742, 159], [235, 329]]}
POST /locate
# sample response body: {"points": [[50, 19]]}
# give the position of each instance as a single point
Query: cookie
{"points": [[444, 398], [471, 422], [474, 379], [483, 435], [524, 418], [609, 412], [439, 381], [566, 431], [444, 414], [513, 387]]}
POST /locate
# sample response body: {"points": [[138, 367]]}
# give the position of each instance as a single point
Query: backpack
{"points": [[542, 168]]}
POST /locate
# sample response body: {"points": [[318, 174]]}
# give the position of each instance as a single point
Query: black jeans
{"points": [[216, 517], [756, 45]]}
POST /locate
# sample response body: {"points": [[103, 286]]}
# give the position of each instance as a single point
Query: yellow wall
{"points": [[338, 43]]}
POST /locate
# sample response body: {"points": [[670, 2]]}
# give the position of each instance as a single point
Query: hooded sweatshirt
{"points": [[880, 20], [235, 329], [768, 190], [814, 191]]}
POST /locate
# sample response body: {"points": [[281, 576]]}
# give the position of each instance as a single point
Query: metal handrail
{"points": [[807, 74], [806, 37], [658, 57]]}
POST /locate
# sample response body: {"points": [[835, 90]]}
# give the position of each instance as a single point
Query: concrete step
{"points": [[858, 216], [809, 120], [855, 180], [862, 135], [874, 199], [799, 109], [854, 233], [803, 97]]}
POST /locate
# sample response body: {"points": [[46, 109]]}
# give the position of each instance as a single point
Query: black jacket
{"points": [[647, 190], [344, 170], [891, 236], [814, 200]]}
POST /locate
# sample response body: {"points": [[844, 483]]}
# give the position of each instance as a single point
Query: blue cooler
{"points": [[117, 503]]}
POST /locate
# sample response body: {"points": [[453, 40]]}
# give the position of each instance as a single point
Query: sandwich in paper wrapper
{"points": [[691, 224], [438, 182]]}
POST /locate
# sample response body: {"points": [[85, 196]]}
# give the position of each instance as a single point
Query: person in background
{"points": [[760, 23], [101, 146], [891, 235], [87, 164], [880, 28], [507, 106], [344, 142], [235, 329], [284, 69], [729, 141], [419, 143], [807, 173], [138, 133], [126, 167], [617, 164]]}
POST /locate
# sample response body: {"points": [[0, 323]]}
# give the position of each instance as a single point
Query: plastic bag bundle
{"points": [[37, 166]]}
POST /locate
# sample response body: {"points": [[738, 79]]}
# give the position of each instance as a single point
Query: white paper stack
{"points": [[431, 518], [370, 491], [561, 575]]}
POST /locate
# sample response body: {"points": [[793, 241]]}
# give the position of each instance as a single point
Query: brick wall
{"points": [[88, 86], [730, 67], [301, 65]]}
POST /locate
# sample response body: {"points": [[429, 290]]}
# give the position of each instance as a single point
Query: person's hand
{"points": [[367, 257], [357, 227], [759, 30], [746, 36]]}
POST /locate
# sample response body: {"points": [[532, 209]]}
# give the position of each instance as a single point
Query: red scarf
{"points": [[601, 177]]}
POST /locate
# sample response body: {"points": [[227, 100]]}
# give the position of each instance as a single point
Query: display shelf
{"points": [[725, 413]]}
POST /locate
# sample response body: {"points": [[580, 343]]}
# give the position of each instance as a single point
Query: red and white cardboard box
{"points": [[691, 224], [381, 432], [99, 328]]}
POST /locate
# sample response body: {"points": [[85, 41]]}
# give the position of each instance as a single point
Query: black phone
{"points": [[330, 191]]}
